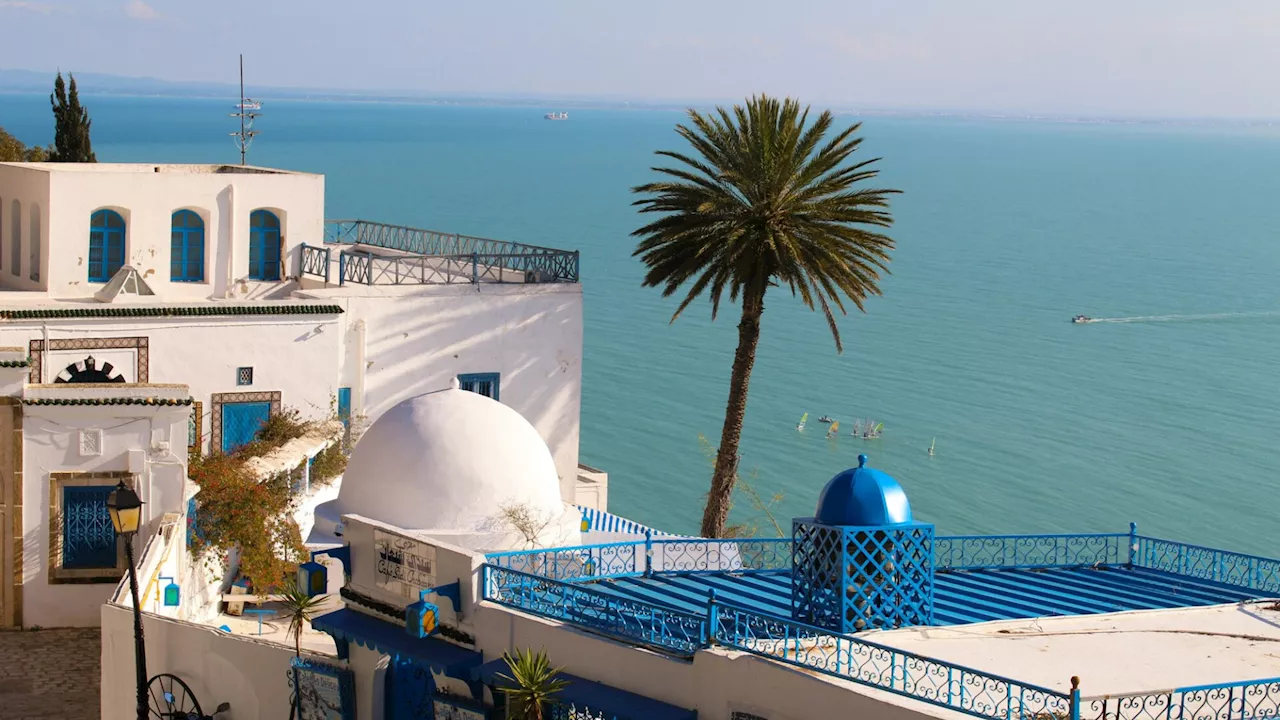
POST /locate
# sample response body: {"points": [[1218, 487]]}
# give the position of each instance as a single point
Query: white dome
{"points": [[448, 460]]}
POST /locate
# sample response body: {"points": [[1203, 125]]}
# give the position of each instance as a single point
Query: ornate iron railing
{"points": [[432, 257], [915, 676], [631, 620], [584, 563], [975, 552], [1230, 568], [315, 261], [729, 555], [1225, 701]]}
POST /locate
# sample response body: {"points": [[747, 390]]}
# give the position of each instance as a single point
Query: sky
{"points": [[1125, 58]]}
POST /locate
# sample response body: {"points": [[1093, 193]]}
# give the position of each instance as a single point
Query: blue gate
{"points": [[88, 538], [240, 423], [410, 692]]}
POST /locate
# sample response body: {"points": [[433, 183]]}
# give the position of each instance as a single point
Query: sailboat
{"points": [[835, 430], [803, 418], [931, 444]]}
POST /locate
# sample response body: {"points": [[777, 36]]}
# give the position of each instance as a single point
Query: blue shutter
{"points": [[344, 405], [186, 249], [264, 245], [241, 422], [106, 245], [481, 383], [88, 539]]}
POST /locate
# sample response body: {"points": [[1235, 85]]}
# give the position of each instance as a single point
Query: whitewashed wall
{"points": [[248, 673], [29, 187], [146, 196], [297, 355], [51, 444], [417, 338]]}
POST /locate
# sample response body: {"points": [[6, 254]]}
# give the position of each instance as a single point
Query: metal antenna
{"points": [[247, 112]]}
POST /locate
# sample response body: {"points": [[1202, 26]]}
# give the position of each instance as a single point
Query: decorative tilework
{"points": [[220, 399], [195, 427], [211, 310], [12, 535], [140, 344]]}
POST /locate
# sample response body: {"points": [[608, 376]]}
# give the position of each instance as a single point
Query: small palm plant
{"points": [[531, 686], [298, 607]]}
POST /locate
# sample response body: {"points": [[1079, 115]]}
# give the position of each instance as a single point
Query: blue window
{"points": [[186, 249], [106, 245], [264, 245], [344, 405], [88, 539], [241, 422], [483, 383]]}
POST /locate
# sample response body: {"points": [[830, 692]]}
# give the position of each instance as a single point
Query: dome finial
{"points": [[862, 460], [454, 384]]}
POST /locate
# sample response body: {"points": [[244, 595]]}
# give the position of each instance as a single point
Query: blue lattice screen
{"points": [[481, 383], [851, 579], [88, 539], [241, 422]]}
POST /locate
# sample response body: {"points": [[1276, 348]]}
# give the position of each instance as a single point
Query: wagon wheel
{"points": [[171, 699]]}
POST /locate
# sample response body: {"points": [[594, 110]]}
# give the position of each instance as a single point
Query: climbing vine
{"points": [[251, 517]]}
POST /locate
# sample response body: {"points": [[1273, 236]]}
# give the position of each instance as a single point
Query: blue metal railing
{"points": [[584, 563], [315, 261], [933, 681], [1224, 701], [979, 552], [439, 258], [1221, 566], [635, 621]]}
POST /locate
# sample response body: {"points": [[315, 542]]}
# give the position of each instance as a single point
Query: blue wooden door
{"points": [[240, 423], [410, 692]]}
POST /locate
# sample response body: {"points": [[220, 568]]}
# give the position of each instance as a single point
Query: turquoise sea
{"points": [[1006, 229]]}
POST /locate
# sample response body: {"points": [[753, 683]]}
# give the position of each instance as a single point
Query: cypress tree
{"points": [[70, 125]]}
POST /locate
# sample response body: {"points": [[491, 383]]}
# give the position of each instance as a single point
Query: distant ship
{"points": [[557, 116], [249, 105]]}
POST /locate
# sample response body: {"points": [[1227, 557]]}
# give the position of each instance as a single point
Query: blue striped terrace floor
{"points": [[960, 597]]}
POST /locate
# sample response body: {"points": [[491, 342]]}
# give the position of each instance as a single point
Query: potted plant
{"points": [[531, 685]]}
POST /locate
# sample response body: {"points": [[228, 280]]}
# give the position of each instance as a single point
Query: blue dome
{"points": [[863, 496]]}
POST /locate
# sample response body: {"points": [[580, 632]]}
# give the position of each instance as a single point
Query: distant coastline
{"points": [[27, 82]]}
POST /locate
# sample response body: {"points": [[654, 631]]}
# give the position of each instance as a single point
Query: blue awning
{"points": [[605, 699], [391, 639]]}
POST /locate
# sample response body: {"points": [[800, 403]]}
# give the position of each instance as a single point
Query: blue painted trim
{"points": [[451, 592], [391, 639], [908, 674]]}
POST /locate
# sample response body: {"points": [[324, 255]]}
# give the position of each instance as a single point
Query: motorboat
{"points": [[824, 419], [1081, 319]]}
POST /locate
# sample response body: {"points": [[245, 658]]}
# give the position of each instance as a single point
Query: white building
{"points": [[145, 308], [864, 612]]}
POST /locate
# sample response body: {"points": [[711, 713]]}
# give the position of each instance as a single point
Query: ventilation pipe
{"points": [[231, 239]]}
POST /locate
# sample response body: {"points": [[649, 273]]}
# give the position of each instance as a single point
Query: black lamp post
{"points": [[126, 514]]}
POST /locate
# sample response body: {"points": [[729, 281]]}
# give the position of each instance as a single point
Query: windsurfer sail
{"points": [[931, 444], [835, 430], [803, 418]]}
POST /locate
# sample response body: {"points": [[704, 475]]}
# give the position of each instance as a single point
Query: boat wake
{"points": [[1187, 318]]}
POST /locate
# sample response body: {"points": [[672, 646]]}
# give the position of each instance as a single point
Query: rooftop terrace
{"points": [[1126, 612], [367, 253]]}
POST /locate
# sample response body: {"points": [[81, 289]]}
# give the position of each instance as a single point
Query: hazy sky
{"points": [[1111, 57]]}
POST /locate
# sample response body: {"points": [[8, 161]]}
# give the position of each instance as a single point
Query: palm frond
{"points": [[766, 195]]}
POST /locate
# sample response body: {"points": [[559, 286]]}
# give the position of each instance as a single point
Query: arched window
{"points": [[34, 228], [264, 245], [186, 259], [106, 245], [15, 238]]}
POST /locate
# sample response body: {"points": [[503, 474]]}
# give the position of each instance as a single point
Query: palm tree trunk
{"points": [[716, 513]]}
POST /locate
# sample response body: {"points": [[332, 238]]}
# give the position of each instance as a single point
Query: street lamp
{"points": [[126, 515]]}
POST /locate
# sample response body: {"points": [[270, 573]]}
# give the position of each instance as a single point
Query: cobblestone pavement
{"points": [[49, 674]]}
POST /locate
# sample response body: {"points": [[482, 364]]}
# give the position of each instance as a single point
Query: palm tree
{"points": [[765, 200], [298, 607], [531, 686]]}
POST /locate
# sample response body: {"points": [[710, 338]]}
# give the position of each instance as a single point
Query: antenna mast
{"points": [[247, 111]]}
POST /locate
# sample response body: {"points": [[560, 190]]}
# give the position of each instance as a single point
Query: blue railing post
{"points": [[327, 256], [577, 268], [342, 267], [713, 622], [1075, 698], [368, 268], [648, 553], [475, 268], [1133, 542]]}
